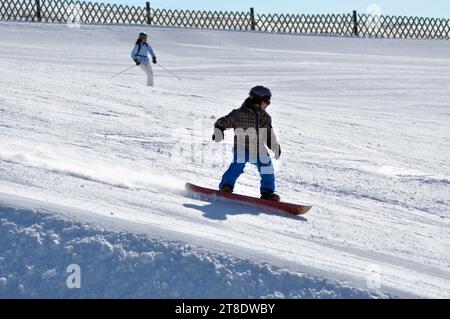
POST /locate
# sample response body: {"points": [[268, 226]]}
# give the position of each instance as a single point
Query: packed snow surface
{"points": [[92, 169]]}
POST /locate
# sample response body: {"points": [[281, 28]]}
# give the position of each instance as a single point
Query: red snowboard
{"points": [[285, 207]]}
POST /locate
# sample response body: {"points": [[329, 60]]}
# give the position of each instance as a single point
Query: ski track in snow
{"points": [[363, 125]]}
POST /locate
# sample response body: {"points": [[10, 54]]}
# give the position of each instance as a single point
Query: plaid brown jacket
{"points": [[252, 128]]}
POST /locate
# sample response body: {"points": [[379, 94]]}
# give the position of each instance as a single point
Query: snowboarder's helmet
{"points": [[260, 93], [142, 35]]}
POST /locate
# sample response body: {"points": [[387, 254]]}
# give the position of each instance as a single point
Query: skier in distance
{"points": [[140, 53]]}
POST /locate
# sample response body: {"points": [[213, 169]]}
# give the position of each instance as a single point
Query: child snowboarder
{"points": [[140, 53], [253, 131]]}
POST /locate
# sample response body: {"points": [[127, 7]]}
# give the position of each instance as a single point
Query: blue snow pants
{"points": [[265, 169]]}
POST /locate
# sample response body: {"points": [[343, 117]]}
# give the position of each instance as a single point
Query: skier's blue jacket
{"points": [[141, 52]]}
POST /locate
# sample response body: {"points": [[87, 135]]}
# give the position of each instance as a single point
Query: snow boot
{"points": [[269, 195], [226, 189]]}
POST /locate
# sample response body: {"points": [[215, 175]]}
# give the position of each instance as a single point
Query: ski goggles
{"points": [[266, 100]]}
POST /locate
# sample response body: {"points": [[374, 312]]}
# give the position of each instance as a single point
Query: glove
{"points": [[278, 154], [218, 134], [154, 60], [137, 61]]}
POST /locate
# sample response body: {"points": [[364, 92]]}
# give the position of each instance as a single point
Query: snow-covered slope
{"points": [[92, 169]]}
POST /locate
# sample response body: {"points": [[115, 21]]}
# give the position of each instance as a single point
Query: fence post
{"points": [[149, 17], [38, 10], [252, 19], [355, 23]]}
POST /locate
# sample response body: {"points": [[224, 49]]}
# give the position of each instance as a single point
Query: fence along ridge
{"points": [[347, 24]]}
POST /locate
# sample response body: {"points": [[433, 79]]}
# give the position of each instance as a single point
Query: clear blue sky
{"points": [[429, 8]]}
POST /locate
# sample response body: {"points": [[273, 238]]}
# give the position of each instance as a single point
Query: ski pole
{"points": [[170, 72], [122, 71]]}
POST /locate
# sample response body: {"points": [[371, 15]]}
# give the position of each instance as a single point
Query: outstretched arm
{"points": [[229, 121], [150, 50]]}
